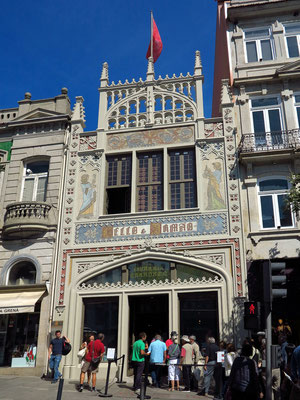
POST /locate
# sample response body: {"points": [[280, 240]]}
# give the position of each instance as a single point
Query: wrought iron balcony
{"points": [[270, 141], [27, 218]]}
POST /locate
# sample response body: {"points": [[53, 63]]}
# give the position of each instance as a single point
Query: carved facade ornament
{"points": [[208, 148], [88, 143], [213, 130], [154, 283]]}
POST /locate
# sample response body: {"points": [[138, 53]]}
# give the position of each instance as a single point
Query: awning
{"points": [[20, 302]]}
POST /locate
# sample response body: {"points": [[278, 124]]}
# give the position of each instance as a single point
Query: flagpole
{"points": [[152, 34]]}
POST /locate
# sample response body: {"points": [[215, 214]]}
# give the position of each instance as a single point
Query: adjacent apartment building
{"points": [[33, 139], [258, 52]]}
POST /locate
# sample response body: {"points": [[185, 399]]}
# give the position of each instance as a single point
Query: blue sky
{"points": [[47, 45]]}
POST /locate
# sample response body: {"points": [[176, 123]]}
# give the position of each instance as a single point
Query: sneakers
{"points": [[186, 391], [80, 388]]}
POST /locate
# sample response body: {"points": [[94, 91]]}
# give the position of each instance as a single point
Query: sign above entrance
{"points": [[141, 228]]}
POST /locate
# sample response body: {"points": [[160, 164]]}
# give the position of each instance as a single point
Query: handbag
{"points": [[95, 360], [81, 353], [66, 348]]}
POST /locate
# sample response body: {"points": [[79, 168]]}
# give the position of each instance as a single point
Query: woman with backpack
{"points": [[173, 369], [243, 381]]}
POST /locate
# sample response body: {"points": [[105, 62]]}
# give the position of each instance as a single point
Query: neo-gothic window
{"points": [[118, 184], [274, 207], [292, 36], [267, 121], [259, 44], [35, 178], [150, 182], [182, 188]]}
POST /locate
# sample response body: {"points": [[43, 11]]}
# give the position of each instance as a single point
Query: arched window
{"points": [[22, 273], [275, 209], [150, 270]]}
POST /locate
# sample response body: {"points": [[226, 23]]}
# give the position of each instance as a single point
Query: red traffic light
{"points": [[251, 308]]}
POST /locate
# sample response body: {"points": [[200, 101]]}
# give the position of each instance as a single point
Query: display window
{"points": [[18, 338]]}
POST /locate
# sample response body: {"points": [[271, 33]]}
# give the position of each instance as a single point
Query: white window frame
{"points": [[297, 105], [35, 185], [274, 203], [286, 35], [258, 44]]}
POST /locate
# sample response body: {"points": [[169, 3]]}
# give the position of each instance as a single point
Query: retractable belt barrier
{"points": [[105, 394]]}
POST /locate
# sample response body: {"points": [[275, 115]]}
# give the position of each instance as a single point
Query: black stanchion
{"points": [[105, 394], [60, 389], [120, 380]]}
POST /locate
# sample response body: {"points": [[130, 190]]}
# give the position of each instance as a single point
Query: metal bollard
{"points": [[105, 394], [60, 389], [142, 395]]}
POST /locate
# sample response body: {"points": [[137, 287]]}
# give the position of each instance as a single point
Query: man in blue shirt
{"points": [[158, 355], [55, 354]]}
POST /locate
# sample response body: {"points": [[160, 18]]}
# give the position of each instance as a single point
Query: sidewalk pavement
{"points": [[34, 388]]}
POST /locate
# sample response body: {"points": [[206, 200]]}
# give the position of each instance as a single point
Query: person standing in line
{"points": [[219, 372], [186, 360], [174, 358], [196, 358], [210, 362], [228, 361], [55, 354], [158, 355], [243, 381], [295, 365], [93, 357], [138, 359]]}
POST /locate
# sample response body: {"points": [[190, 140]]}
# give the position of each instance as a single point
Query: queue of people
{"points": [[236, 374]]}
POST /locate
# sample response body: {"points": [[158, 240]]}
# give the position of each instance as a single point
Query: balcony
{"points": [[28, 219], [269, 143]]}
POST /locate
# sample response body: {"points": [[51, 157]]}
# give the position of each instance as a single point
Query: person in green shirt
{"points": [[138, 361]]}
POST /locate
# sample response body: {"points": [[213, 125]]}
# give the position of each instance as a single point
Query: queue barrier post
{"points": [[105, 394], [60, 389], [120, 379]]}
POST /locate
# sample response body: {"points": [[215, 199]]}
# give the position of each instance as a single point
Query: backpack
{"points": [[242, 374], [66, 348]]}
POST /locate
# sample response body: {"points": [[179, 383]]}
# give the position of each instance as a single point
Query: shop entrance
{"points": [[150, 314]]}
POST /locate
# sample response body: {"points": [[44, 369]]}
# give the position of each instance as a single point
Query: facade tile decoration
{"points": [[165, 227]]}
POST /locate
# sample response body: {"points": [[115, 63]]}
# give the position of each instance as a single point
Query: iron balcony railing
{"points": [[269, 141]]}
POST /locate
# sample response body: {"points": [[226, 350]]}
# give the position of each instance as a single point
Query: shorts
{"points": [[88, 367], [173, 370]]}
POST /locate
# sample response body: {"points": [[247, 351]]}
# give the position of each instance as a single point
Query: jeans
{"points": [[187, 376], [138, 369], [155, 374], [210, 366], [54, 365]]}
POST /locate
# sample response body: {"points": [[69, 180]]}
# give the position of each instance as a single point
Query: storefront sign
{"points": [[201, 224]]}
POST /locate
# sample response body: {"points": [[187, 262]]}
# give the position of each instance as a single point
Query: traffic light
{"points": [[279, 289], [251, 315], [274, 280]]}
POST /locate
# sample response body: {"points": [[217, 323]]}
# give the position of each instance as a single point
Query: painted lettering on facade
{"points": [[200, 224]]}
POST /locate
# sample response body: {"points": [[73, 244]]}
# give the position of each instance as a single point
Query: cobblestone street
{"points": [[29, 388]]}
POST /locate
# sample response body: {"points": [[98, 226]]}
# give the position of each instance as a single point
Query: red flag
{"points": [[157, 43]]}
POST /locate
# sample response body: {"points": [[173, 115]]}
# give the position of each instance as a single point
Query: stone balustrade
{"points": [[27, 218]]}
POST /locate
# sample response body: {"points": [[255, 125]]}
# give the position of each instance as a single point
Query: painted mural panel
{"points": [[87, 194], [214, 183], [148, 138], [162, 227]]}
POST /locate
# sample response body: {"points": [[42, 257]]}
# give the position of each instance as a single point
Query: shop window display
{"points": [[18, 339]]}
